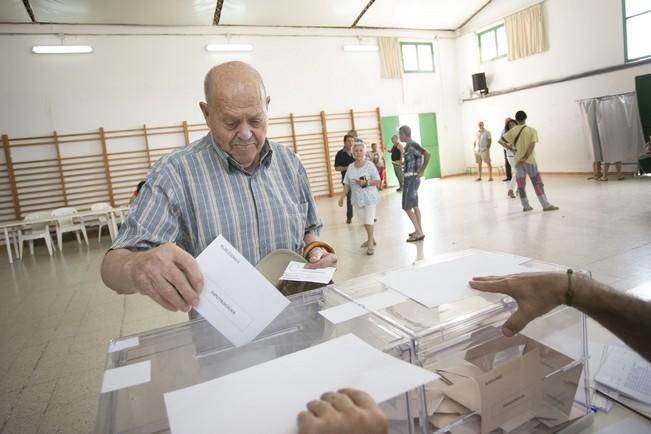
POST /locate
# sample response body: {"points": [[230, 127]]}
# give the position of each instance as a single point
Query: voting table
{"points": [[424, 314]]}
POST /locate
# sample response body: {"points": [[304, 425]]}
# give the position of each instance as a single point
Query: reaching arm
{"points": [[505, 144], [627, 317], [167, 274]]}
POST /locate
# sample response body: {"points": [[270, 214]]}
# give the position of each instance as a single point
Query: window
{"points": [[637, 29], [492, 43], [417, 57]]}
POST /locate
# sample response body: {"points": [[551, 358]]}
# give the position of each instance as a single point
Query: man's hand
{"points": [[341, 201], [320, 258], [167, 274], [348, 411], [421, 173], [535, 293]]}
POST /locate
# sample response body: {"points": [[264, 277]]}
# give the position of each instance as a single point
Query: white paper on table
{"points": [[126, 376], [447, 282], [123, 344], [626, 372], [276, 391], [296, 271], [628, 426], [642, 291], [362, 306], [236, 299]]}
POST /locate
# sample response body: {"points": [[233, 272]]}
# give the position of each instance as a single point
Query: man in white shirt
{"points": [[482, 148]]}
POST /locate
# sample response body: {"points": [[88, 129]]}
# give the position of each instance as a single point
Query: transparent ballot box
{"points": [[535, 382], [194, 352]]}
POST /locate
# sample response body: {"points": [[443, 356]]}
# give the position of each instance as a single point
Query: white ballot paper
{"points": [[268, 397], [447, 282], [362, 306], [296, 271], [236, 299]]}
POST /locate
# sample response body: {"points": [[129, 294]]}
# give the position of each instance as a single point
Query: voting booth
{"points": [[424, 314], [532, 383]]}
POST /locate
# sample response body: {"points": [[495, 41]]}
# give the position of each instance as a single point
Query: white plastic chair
{"points": [[65, 223], [102, 219], [34, 231]]}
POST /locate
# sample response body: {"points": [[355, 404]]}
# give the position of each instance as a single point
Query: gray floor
{"points": [[56, 315]]}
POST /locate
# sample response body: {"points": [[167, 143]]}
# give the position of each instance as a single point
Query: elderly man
{"points": [[482, 147], [233, 182]]}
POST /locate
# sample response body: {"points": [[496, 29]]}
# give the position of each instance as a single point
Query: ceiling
{"points": [[407, 14]]}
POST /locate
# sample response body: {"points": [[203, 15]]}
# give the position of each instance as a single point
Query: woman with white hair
{"points": [[362, 179]]}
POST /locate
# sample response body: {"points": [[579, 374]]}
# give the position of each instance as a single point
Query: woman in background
{"points": [[377, 158], [510, 152], [361, 179]]}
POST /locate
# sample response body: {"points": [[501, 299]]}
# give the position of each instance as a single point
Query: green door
{"points": [[390, 125], [430, 141], [643, 90]]}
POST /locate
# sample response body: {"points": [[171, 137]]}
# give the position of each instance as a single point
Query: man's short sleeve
{"points": [[534, 135], [153, 218], [419, 148]]}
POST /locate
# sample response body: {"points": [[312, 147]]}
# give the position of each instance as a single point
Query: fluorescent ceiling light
{"points": [[229, 47], [61, 49], [360, 48]]}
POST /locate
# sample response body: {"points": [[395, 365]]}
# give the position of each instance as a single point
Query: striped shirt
{"points": [[413, 158], [195, 194]]}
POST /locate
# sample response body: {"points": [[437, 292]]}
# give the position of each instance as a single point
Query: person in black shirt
{"points": [[343, 159], [396, 160]]}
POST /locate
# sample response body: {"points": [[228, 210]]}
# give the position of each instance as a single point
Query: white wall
{"points": [[157, 79], [582, 35]]}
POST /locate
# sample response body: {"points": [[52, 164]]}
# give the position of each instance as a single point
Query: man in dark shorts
{"points": [[416, 160], [343, 159]]}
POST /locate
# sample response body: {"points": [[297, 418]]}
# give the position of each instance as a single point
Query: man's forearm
{"points": [[425, 161], [627, 317], [114, 271]]}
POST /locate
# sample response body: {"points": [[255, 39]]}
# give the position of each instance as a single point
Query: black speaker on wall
{"points": [[479, 83]]}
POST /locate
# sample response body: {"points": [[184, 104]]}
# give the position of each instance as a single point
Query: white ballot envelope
{"points": [[236, 299]]}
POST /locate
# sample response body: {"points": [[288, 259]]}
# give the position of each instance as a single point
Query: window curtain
{"points": [[525, 32], [390, 58]]}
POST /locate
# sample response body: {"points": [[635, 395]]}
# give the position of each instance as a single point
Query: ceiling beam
{"points": [[29, 10], [361, 14], [474, 15], [218, 12]]}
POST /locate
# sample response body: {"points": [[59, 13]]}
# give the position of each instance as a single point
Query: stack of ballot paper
{"points": [[297, 272], [626, 377], [505, 385]]}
